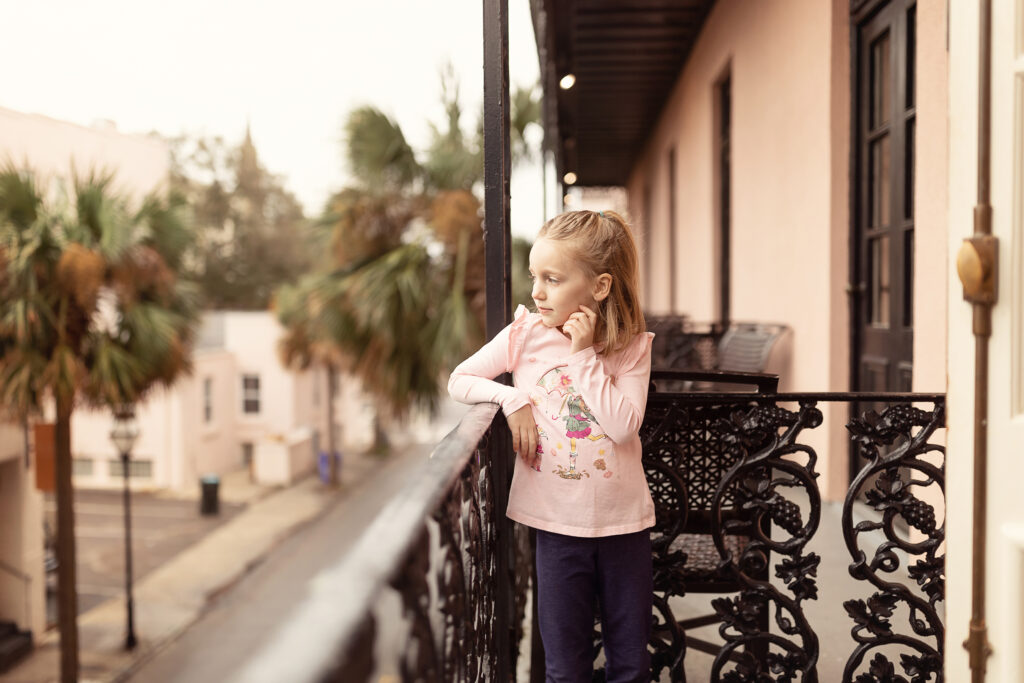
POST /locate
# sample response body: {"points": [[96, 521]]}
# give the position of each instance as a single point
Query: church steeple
{"points": [[248, 173]]}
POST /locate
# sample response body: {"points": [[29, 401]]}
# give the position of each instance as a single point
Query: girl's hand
{"points": [[580, 328], [524, 434]]}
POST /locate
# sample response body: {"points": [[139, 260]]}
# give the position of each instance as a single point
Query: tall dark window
{"points": [[648, 241], [724, 163], [672, 230]]}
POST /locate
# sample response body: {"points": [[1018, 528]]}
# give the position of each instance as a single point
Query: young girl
{"points": [[581, 366]]}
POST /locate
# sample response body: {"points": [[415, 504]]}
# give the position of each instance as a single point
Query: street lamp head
{"points": [[125, 430]]}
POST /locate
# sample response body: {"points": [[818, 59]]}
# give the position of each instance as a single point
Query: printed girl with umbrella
{"points": [[576, 415]]}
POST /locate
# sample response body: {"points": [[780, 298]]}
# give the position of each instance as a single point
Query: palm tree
{"points": [[400, 296], [91, 312]]}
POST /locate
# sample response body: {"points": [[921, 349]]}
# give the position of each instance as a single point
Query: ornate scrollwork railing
{"points": [[757, 478], [895, 455], [735, 487]]}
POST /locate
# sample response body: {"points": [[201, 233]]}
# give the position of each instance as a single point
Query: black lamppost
{"points": [[123, 434]]}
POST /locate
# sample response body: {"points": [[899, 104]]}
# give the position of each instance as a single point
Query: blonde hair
{"points": [[602, 242]]}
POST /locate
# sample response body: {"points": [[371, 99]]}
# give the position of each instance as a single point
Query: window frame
{"points": [[247, 399]]}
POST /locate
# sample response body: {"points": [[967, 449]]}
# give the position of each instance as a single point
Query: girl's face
{"points": [[560, 287]]}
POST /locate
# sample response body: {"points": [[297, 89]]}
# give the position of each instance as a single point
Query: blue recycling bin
{"points": [[322, 465]]}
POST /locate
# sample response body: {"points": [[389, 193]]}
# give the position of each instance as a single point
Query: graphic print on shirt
{"points": [[540, 449], [567, 409]]}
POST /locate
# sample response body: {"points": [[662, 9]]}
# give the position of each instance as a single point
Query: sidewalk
{"points": [[171, 598], [235, 487]]}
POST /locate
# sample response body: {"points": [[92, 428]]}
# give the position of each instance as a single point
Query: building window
{"points": [[648, 244], [672, 230], [82, 467], [247, 453], [137, 469], [724, 200], [251, 394], [208, 400]]}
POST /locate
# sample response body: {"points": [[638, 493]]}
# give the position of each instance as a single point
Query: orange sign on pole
{"points": [[46, 456]]}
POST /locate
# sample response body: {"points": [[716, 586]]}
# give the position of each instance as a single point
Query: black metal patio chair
{"points": [[686, 458]]}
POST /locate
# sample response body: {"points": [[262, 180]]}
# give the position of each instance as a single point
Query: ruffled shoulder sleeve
{"points": [[522, 321], [638, 348]]}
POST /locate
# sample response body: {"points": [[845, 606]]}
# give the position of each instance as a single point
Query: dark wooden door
{"points": [[883, 237], [884, 218]]}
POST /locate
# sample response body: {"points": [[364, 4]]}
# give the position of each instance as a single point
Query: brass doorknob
{"points": [[971, 269], [976, 263]]}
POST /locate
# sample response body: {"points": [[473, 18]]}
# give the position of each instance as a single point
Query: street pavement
{"points": [[161, 528], [173, 594], [241, 620]]}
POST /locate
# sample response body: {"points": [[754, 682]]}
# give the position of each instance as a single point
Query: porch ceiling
{"points": [[625, 56]]}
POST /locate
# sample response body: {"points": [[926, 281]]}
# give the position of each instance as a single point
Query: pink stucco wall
{"points": [[781, 166], [931, 199], [789, 65]]}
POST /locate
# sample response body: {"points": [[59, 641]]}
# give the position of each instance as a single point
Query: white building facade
{"points": [[240, 407]]}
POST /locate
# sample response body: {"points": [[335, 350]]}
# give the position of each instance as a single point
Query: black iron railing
{"points": [[735, 486]]}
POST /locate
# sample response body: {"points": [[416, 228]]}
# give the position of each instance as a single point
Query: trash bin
{"points": [[209, 502], [322, 464]]}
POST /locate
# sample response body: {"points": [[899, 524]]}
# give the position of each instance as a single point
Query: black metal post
{"points": [[129, 641], [497, 167], [497, 241]]}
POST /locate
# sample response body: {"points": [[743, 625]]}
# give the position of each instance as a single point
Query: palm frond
{"points": [[454, 329], [21, 385], [63, 372], [454, 161], [524, 111], [165, 227], [20, 198], [101, 216], [376, 150], [115, 374]]}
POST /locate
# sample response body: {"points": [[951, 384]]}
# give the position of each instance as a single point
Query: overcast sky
{"points": [[292, 68]]}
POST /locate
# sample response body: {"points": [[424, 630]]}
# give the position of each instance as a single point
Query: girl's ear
{"points": [[602, 286]]}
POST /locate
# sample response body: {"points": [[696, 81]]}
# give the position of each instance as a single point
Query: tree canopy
{"points": [[91, 301], [252, 235], [399, 297]]}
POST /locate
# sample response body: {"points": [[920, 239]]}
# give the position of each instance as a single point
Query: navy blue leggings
{"points": [[571, 572]]}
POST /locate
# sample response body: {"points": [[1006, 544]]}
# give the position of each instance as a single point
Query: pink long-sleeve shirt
{"points": [[588, 409]]}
